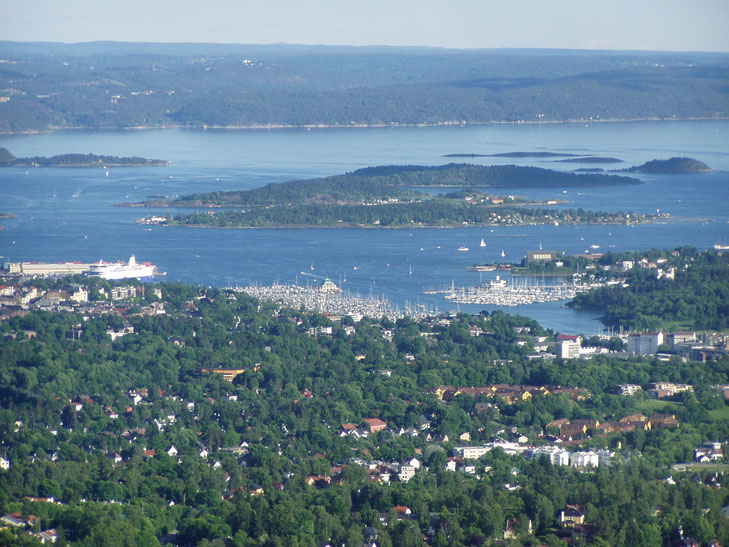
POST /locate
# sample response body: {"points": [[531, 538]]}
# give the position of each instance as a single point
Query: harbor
{"points": [[328, 299], [499, 292]]}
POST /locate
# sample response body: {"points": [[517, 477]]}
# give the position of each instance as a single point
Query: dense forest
{"points": [[74, 160], [697, 297], [260, 460], [116, 85]]}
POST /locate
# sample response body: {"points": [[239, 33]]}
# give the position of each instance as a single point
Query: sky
{"points": [[669, 25]]}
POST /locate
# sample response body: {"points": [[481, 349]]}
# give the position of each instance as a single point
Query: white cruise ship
{"points": [[120, 270]]}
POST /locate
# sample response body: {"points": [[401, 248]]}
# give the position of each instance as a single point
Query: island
{"points": [[590, 159], [393, 196], [673, 165], [519, 154], [7, 159]]}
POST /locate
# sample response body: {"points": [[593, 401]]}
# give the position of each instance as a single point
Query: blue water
{"points": [[82, 223]]}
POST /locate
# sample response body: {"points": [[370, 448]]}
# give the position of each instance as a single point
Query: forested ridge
{"points": [[71, 406], [393, 181], [697, 297], [116, 86]]}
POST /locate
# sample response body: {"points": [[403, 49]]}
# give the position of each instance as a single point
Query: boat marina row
{"points": [[499, 292], [330, 300]]}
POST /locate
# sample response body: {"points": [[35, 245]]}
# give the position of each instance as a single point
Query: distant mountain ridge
{"points": [[109, 85]]}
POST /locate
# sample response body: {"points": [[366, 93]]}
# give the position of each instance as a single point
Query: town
{"points": [[213, 413]]}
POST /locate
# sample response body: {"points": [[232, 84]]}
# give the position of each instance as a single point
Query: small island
{"points": [[673, 165], [76, 160], [590, 159]]}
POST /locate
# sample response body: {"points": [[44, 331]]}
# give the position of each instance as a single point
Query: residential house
{"points": [[571, 515], [374, 424]]}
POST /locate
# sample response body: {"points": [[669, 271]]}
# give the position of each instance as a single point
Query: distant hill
{"points": [[671, 166], [108, 85]]}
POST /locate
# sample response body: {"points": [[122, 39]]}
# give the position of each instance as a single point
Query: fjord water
{"points": [[70, 214]]}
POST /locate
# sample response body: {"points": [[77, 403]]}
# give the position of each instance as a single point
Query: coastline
{"points": [[404, 227], [268, 127]]}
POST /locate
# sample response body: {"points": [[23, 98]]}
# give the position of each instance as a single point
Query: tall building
{"points": [[645, 343]]}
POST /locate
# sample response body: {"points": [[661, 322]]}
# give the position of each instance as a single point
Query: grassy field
{"points": [[720, 414], [656, 405]]}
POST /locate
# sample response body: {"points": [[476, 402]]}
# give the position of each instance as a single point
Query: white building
{"points": [[471, 452], [556, 455], [584, 459], [406, 473], [569, 349], [80, 295], [645, 343]]}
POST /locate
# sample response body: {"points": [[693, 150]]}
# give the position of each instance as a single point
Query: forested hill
{"points": [[671, 166], [392, 181], [117, 85], [454, 174]]}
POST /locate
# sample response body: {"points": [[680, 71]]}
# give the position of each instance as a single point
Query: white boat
{"points": [[120, 270], [463, 248], [503, 254], [483, 243]]}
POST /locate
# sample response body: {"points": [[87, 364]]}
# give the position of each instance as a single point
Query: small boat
{"points": [[503, 254], [483, 243], [593, 246], [463, 248]]}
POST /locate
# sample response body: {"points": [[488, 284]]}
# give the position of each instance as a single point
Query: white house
{"points": [[406, 473]]}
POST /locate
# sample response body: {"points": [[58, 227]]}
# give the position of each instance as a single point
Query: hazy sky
{"points": [[676, 25]]}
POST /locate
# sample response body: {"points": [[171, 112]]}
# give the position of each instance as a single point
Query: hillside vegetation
{"points": [[117, 85]]}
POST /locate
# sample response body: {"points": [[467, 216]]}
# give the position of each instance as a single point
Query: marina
{"points": [[500, 292], [329, 300]]}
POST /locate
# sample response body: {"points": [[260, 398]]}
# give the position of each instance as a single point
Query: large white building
{"points": [[569, 349], [584, 459], [645, 343]]}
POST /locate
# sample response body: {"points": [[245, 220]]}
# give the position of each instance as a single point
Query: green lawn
{"points": [[655, 405], [720, 414]]}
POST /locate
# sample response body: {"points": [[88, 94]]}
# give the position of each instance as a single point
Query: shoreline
{"points": [[409, 227], [266, 127]]}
